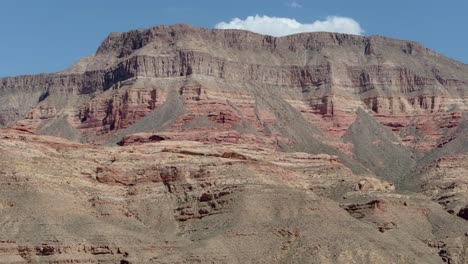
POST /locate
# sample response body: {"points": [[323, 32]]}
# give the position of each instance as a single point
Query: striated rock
{"points": [[444, 181], [181, 200], [218, 75], [234, 147], [118, 112], [422, 132], [214, 136]]}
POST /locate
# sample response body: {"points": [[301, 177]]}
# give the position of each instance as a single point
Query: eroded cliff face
{"points": [[325, 76], [233, 120], [298, 93], [176, 201]]}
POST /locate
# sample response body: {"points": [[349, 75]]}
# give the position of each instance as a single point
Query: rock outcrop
{"points": [[217, 73], [186, 201], [178, 144]]}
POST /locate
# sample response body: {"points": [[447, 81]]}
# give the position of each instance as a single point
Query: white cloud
{"points": [[294, 4], [280, 26]]}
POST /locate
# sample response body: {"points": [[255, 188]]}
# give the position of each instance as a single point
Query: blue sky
{"points": [[48, 36]]}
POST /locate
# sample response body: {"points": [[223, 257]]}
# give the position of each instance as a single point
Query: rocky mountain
{"points": [[180, 144]]}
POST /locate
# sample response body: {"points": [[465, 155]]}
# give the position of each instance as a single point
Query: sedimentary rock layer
{"points": [[325, 76], [186, 202]]}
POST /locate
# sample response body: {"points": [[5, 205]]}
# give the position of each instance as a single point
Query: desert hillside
{"points": [[177, 144]]}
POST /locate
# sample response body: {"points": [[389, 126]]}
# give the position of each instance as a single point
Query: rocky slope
{"points": [[217, 144], [186, 202], [225, 74]]}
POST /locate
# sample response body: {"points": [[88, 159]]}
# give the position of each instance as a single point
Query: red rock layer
{"points": [[325, 76]]}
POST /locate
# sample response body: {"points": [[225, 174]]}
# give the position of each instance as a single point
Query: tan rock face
{"points": [[445, 182], [229, 145], [184, 200], [218, 73]]}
